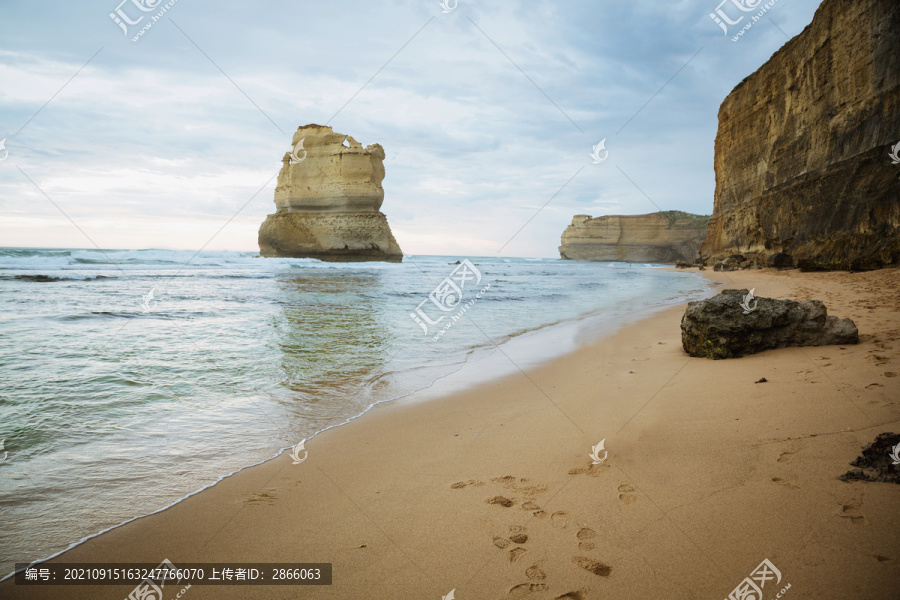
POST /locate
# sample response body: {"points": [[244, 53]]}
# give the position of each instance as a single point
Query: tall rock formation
{"points": [[661, 237], [328, 198], [802, 151]]}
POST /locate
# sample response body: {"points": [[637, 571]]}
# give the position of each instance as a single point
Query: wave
{"points": [[50, 279], [47, 258]]}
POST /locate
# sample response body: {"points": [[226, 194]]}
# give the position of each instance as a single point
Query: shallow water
{"points": [[114, 403]]}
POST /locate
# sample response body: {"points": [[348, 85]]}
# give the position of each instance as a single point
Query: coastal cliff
{"points": [[802, 151], [328, 198], [661, 237]]}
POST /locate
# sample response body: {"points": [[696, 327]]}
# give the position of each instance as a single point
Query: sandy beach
{"points": [[490, 491]]}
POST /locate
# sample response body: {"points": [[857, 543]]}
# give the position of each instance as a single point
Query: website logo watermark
{"points": [[596, 150], [449, 6], [723, 20], [295, 453], [5, 453], [894, 153], [295, 152], [452, 594], [747, 300], [4, 153], [125, 22], [894, 454], [148, 588], [595, 452], [448, 296], [148, 304], [751, 587]]}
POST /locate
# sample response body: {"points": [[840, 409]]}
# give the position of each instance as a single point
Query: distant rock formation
{"points": [[328, 198], [660, 237], [735, 323], [802, 151]]}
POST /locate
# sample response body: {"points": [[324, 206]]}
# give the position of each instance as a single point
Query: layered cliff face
{"points": [[661, 237], [328, 198], [802, 151]]}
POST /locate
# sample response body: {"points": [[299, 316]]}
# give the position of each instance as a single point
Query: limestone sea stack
{"points": [[802, 153], [660, 237], [328, 200]]}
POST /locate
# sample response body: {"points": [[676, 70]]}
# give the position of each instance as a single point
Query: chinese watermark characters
{"points": [[447, 297], [124, 20], [723, 20], [751, 587]]}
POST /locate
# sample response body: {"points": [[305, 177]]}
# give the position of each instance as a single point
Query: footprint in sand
{"points": [[530, 505], [528, 588], [585, 535], [559, 519], [461, 484], [521, 485], [594, 566], [501, 543], [516, 553], [592, 470], [268, 496], [851, 511], [781, 481], [579, 595], [501, 500], [540, 514], [517, 534], [626, 494], [535, 572], [787, 455], [873, 385]]}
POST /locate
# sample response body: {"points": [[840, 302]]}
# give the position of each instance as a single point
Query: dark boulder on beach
{"points": [[879, 461], [736, 323]]}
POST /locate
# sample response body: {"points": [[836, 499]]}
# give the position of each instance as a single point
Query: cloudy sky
{"points": [[487, 113]]}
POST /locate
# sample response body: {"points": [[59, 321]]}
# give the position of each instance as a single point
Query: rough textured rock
{"points": [[732, 263], [328, 198], [780, 260], [801, 153], [876, 462], [721, 327], [661, 237]]}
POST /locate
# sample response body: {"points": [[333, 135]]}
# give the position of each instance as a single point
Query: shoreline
{"points": [[458, 439], [480, 366]]}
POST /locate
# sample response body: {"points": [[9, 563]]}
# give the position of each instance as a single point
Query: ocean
{"points": [[130, 379]]}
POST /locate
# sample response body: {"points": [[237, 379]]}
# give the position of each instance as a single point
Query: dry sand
{"points": [[491, 492]]}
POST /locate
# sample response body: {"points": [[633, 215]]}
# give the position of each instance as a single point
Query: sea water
{"points": [[130, 379]]}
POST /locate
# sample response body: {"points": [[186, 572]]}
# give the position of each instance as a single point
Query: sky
{"points": [[488, 113]]}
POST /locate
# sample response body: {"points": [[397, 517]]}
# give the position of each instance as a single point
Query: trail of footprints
{"points": [[514, 544]]}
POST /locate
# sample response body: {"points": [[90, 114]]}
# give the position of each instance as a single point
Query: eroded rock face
{"points": [[328, 198], [733, 324], [662, 237], [801, 153]]}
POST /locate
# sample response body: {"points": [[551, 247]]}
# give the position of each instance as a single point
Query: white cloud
{"points": [[151, 146]]}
